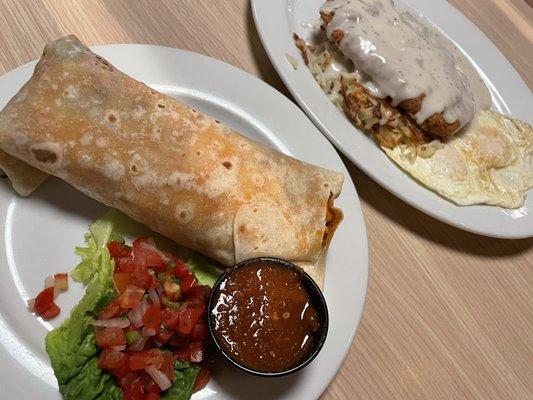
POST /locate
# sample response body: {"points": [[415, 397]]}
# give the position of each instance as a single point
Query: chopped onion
{"points": [[31, 304], [112, 323], [119, 348], [138, 345], [49, 281], [148, 331], [154, 296], [160, 378], [137, 313]]}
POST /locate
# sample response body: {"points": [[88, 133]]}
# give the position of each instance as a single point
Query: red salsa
{"points": [[263, 317], [158, 317]]}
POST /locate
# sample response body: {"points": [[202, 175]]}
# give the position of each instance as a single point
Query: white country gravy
{"points": [[397, 54]]}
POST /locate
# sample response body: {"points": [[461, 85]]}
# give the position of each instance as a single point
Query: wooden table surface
{"points": [[448, 314]]}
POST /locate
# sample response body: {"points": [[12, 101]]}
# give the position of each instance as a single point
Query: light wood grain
{"points": [[449, 315]]}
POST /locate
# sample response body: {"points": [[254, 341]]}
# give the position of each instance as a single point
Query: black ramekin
{"points": [[317, 299]]}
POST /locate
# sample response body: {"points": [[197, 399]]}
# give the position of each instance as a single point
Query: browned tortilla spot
{"points": [[134, 169], [44, 155]]}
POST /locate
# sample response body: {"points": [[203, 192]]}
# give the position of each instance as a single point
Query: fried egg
{"points": [[489, 162]]}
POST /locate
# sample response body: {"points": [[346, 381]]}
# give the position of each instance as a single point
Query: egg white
{"points": [[490, 162]]}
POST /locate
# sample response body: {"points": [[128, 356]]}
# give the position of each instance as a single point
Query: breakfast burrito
{"points": [[178, 171]]}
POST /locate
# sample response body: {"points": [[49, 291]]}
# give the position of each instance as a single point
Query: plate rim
{"points": [[354, 202], [415, 194]]}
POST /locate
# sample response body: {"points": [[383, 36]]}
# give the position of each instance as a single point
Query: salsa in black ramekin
{"points": [[267, 317]]}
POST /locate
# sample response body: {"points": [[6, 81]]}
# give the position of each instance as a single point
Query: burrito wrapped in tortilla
{"points": [[181, 173]]}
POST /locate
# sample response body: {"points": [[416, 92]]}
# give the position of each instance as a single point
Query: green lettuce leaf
{"points": [[72, 346], [203, 269], [99, 235], [181, 388]]}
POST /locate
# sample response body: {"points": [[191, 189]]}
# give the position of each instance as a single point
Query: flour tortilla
{"points": [[181, 173], [24, 178]]}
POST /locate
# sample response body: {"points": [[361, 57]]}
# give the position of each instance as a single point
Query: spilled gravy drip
{"points": [[399, 55]]}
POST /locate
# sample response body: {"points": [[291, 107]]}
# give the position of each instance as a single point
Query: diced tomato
{"points": [[152, 396], [169, 256], [197, 351], [178, 341], [187, 282], [44, 300], [139, 259], [170, 317], [202, 379], [131, 297], [199, 292], [168, 365], [125, 264], [110, 337], [111, 359], [194, 303], [162, 336], [142, 279], [120, 372], [183, 354], [199, 332], [196, 297], [152, 317], [137, 242], [154, 257], [117, 250], [51, 312], [155, 261], [112, 310], [180, 270], [155, 358], [134, 390], [122, 280], [188, 319], [128, 379], [150, 386], [140, 360]]}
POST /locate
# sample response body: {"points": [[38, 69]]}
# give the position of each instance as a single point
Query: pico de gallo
{"points": [[159, 317], [44, 305]]}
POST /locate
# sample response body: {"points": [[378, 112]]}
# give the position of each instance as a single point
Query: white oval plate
{"points": [[276, 20], [40, 232]]}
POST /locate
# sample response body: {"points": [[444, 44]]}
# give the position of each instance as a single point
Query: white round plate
{"points": [[277, 20], [40, 232]]}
